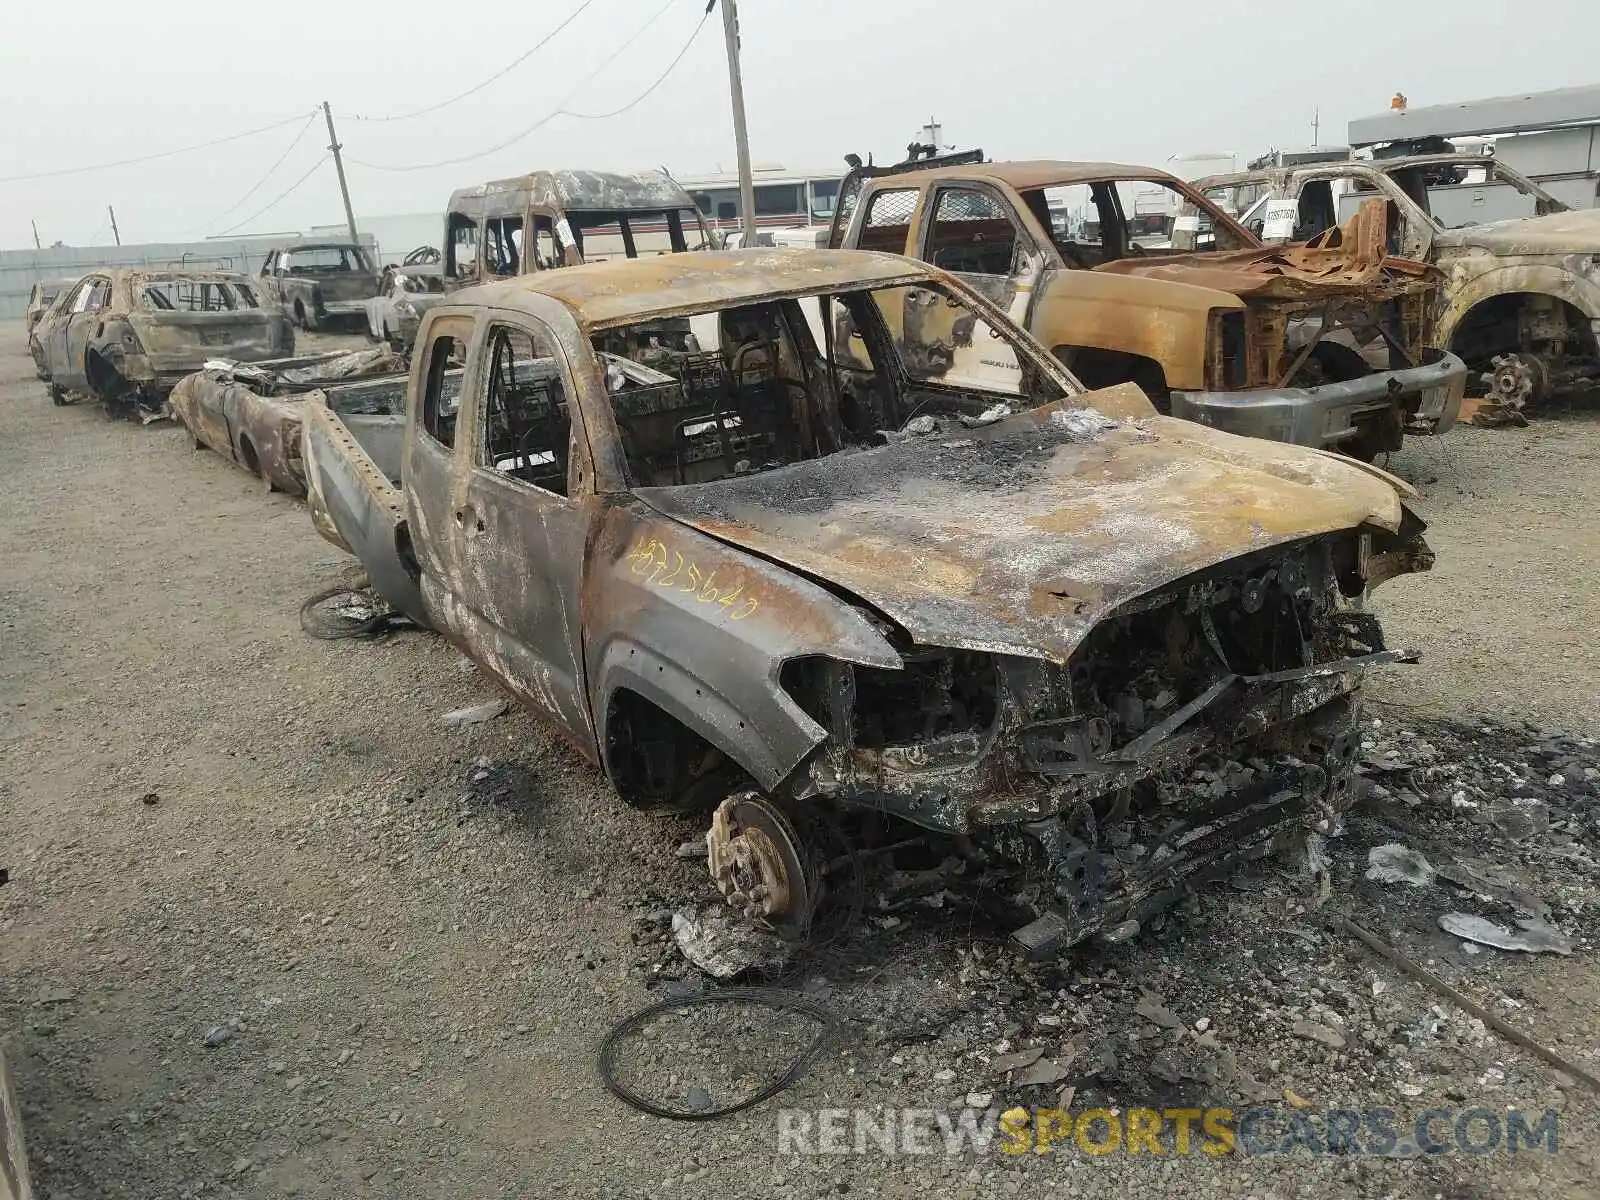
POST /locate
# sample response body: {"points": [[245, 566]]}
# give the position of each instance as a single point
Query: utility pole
{"points": [[338, 165], [37, 244], [115, 232], [741, 137], [1316, 127]]}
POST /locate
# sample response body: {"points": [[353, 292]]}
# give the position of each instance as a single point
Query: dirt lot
{"points": [[404, 942]]}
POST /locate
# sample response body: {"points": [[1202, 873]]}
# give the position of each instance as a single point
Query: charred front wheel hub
{"points": [[1517, 380], [757, 864]]}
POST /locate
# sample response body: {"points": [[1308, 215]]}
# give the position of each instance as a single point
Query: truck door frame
{"points": [[1023, 288], [520, 550]]}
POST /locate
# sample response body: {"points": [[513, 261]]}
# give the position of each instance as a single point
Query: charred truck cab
{"points": [[847, 562]]}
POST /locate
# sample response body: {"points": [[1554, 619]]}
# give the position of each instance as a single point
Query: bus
{"points": [[784, 198]]}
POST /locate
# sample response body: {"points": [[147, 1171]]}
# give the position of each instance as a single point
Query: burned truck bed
{"points": [[251, 412]]}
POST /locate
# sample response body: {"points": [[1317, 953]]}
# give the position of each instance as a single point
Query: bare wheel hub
{"points": [[756, 862], [1516, 380]]}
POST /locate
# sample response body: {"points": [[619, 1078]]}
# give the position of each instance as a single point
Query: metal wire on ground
{"points": [[361, 615], [773, 998]]}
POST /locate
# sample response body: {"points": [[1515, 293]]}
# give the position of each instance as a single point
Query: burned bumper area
{"points": [[1184, 732]]}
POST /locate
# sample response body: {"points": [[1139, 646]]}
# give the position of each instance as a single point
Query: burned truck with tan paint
{"points": [[1520, 297], [1326, 345], [1014, 613]]}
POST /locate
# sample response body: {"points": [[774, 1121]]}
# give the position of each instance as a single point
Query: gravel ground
{"points": [[272, 930]]}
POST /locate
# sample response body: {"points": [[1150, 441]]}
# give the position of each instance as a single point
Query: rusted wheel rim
{"points": [[757, 864]]}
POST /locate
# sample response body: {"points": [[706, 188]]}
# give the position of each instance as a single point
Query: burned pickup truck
{"points": [[250, 412], [1014, 614], [126, 337], [1520, 301], [321, 284], [1325, 345]]}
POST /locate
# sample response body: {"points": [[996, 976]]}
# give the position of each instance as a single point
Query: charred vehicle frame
{"points": [[1324, 345], [250, 412], [1519, 300], [775, 577], [126, 337]]}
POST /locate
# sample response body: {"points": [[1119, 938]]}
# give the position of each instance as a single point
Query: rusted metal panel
{"points": [[251, 413], [671, 284]]}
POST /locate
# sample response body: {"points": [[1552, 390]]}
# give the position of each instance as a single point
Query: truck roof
{"points": [[624, 290], [569, 189], [1035, 173]]}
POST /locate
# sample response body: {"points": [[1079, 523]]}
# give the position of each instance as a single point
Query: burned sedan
{"points": [[861, 544], [125, 337], [250, 412]]}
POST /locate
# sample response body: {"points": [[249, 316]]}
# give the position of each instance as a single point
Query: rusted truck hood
{"points": [[1558, 233], [1019, 537]]}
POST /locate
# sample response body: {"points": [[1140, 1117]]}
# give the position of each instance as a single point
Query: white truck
{"points": [[1520, 300]]}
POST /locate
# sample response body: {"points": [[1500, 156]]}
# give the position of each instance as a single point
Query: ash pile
{"points": [[1469, 849]]}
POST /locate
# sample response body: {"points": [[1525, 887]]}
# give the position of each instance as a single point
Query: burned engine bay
{"points": [[1195, 730]]}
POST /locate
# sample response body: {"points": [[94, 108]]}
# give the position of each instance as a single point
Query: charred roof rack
{"points": [[850, 185]]}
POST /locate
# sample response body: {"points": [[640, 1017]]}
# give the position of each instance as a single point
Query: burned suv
{"points": [[822, 558], [126, 337]]}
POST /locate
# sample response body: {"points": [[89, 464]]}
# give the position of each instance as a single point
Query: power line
{"points": [[279, 199], [144, 158], [559, 110], [659, 80], [257, 186], [500, 74]]}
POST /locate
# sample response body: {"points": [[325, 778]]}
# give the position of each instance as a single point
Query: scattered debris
{"points": [[1494, 886], [476, 715], [1157, 1014], [724, 944], [995, 412], [1536, 936], [1045, 1071], [1313, 1032], [744, 999], [1007, 1063], [1520, 818], [1082, 424], [1464, 1002], [1394, 863]]}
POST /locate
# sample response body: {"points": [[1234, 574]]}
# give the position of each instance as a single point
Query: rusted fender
{"points": [[702, 629], [1473, 278], [1157, 319], [259, 433]]}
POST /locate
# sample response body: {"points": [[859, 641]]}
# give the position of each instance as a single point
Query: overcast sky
{"points": [[97, 80]]}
